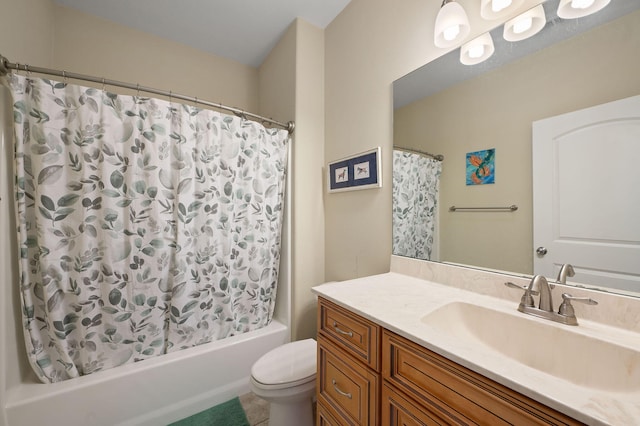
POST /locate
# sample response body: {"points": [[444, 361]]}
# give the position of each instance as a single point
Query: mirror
{"points": [[451, 109]]}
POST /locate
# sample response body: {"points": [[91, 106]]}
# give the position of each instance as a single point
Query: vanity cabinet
{"points": [[348, 387], [368, 375]]}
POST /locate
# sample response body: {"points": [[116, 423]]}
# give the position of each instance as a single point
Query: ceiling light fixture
{"points": [[452, 25], [525, 25], [495, 9], [477, 50], [571, 9]]}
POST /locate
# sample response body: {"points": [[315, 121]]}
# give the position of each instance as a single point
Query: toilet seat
{"points": [[286, 366]]}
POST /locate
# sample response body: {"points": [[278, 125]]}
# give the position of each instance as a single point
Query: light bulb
{"points": [[476, 51], [498, 9], [572, 9], [498, 5], [525, 25], [582, 4], [522, 25], [451, 33]]}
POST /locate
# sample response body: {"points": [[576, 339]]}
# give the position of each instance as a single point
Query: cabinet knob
{"points": [[541, 251]]}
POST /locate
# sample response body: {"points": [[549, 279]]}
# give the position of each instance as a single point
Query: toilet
{"points": [[286, 378]]}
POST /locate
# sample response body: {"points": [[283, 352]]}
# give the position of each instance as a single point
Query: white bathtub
{"points": [[156, 391]]}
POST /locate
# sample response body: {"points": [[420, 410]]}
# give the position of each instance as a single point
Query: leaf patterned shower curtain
{"points": [[144, 226], [416, 181]]}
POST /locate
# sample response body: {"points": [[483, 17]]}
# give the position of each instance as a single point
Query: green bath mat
{"points": [[229, 413]]}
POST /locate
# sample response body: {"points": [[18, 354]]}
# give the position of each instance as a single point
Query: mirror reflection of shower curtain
{"points": [[416, 181]]}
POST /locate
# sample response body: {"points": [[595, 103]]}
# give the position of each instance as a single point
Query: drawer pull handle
{"points": [[335, 386], [346, 333]]}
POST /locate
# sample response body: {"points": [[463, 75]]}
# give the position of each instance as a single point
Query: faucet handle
{"points": [[566, 308], [521, 287], [587, 300], [527, 299]]}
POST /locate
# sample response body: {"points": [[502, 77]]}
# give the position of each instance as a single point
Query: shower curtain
{"points": [[144, 226], [416, 180]]}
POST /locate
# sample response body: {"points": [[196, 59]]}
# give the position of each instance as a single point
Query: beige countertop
{"points": [[399, 302]]}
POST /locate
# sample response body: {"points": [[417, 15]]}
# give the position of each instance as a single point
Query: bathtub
{"points": [[152, 392]]}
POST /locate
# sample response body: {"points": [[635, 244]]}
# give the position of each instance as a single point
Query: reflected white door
{"points": [[586, 194]]}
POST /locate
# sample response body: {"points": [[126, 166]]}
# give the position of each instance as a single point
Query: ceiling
{"points": [[242, 30]]}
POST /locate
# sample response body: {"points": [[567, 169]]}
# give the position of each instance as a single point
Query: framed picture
{"points": [[360, 171], [481, 167]]}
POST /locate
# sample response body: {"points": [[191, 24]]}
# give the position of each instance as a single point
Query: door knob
{"points": [[541, 251]]}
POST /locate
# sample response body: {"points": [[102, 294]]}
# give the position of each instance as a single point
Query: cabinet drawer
{"points": [[398, 410], [346, 387], [444, 386], [352, 333]]}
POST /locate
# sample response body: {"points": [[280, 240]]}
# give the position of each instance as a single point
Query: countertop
{"points": [[397, 302]]}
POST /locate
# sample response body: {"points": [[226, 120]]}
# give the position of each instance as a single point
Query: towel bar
{"points": [[510, 208]]}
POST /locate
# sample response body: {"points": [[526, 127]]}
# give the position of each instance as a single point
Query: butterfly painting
{"points": [[481, 167]]}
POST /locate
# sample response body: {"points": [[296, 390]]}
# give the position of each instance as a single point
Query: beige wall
{"points": [[90, 45], [26, 31], [369, 45], [495, 110], [308, 159], [299, 58]]}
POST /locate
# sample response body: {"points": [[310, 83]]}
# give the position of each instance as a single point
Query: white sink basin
{"points": [[554, 349]]}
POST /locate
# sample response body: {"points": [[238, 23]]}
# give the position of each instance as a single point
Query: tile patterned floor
{"points": [[256, 409]]}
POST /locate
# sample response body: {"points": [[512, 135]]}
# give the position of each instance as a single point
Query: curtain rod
{"points": [[438, 157], [5, 66]]}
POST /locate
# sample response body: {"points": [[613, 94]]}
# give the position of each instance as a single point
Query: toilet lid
{"points": [[289, 363]]}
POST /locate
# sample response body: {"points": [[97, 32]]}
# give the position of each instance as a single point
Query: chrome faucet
{"points": [[565, 315], [546, 302], [566, 270]]}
